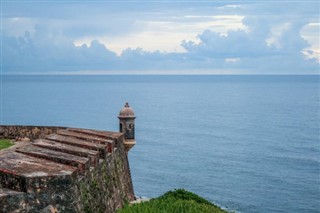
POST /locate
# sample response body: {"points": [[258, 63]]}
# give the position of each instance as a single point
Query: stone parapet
{"points": [[31, 132], [64, 170]]}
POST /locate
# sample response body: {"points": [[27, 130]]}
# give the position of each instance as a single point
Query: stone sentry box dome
{"points": [[126, 126]]}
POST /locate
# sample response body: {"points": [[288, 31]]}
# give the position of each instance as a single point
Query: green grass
{"points": [[177, 201], [5, 143]]}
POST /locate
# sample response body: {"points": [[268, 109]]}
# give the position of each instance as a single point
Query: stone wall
{"points": [[52, 183], [112, 179], [31, 132]]}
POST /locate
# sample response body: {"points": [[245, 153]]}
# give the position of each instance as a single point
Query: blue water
{"points": [[248, 143]]}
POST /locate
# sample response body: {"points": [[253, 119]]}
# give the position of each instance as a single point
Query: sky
{"points": [[160, 37]]}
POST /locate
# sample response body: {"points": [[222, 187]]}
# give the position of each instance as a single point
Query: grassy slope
{"points": [[174, 202], [5, 143]]}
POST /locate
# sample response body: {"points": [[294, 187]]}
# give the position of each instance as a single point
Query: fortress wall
{"points": [[112, 179], [31, 132], [101, 188], [104, 189], [12, 201]]}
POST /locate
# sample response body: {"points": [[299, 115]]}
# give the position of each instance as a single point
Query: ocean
{"points": [[246, 143]]}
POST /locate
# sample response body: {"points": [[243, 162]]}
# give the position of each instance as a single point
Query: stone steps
{"points": [[103, 134], [81, 163], [84, 136], [26, 173], [102, 148], [100, 137], [57, 159], [65, 148]]}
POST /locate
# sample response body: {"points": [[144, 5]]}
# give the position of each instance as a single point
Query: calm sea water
{"points": [[248, 143]]}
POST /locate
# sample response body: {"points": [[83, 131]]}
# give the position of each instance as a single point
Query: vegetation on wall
{"points": [[91, 188], [178, 200]]}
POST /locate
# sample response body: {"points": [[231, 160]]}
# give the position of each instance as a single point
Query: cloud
{"points": [[256, 38], [51, 51], [276, 49], [311, 33], [168, 34]]}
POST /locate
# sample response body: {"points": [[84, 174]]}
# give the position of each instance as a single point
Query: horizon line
{"points": [[158, 74]]}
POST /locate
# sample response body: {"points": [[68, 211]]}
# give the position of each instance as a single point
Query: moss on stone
{"points": [[5, 143]]}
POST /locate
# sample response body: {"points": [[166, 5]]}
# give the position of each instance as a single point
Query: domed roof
{"points": [[126, 112]]}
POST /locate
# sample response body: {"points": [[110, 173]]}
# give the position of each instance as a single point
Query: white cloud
{"points": [[232, 60], [311, 33], [260, 37], [276, 33], [166, 36]]}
